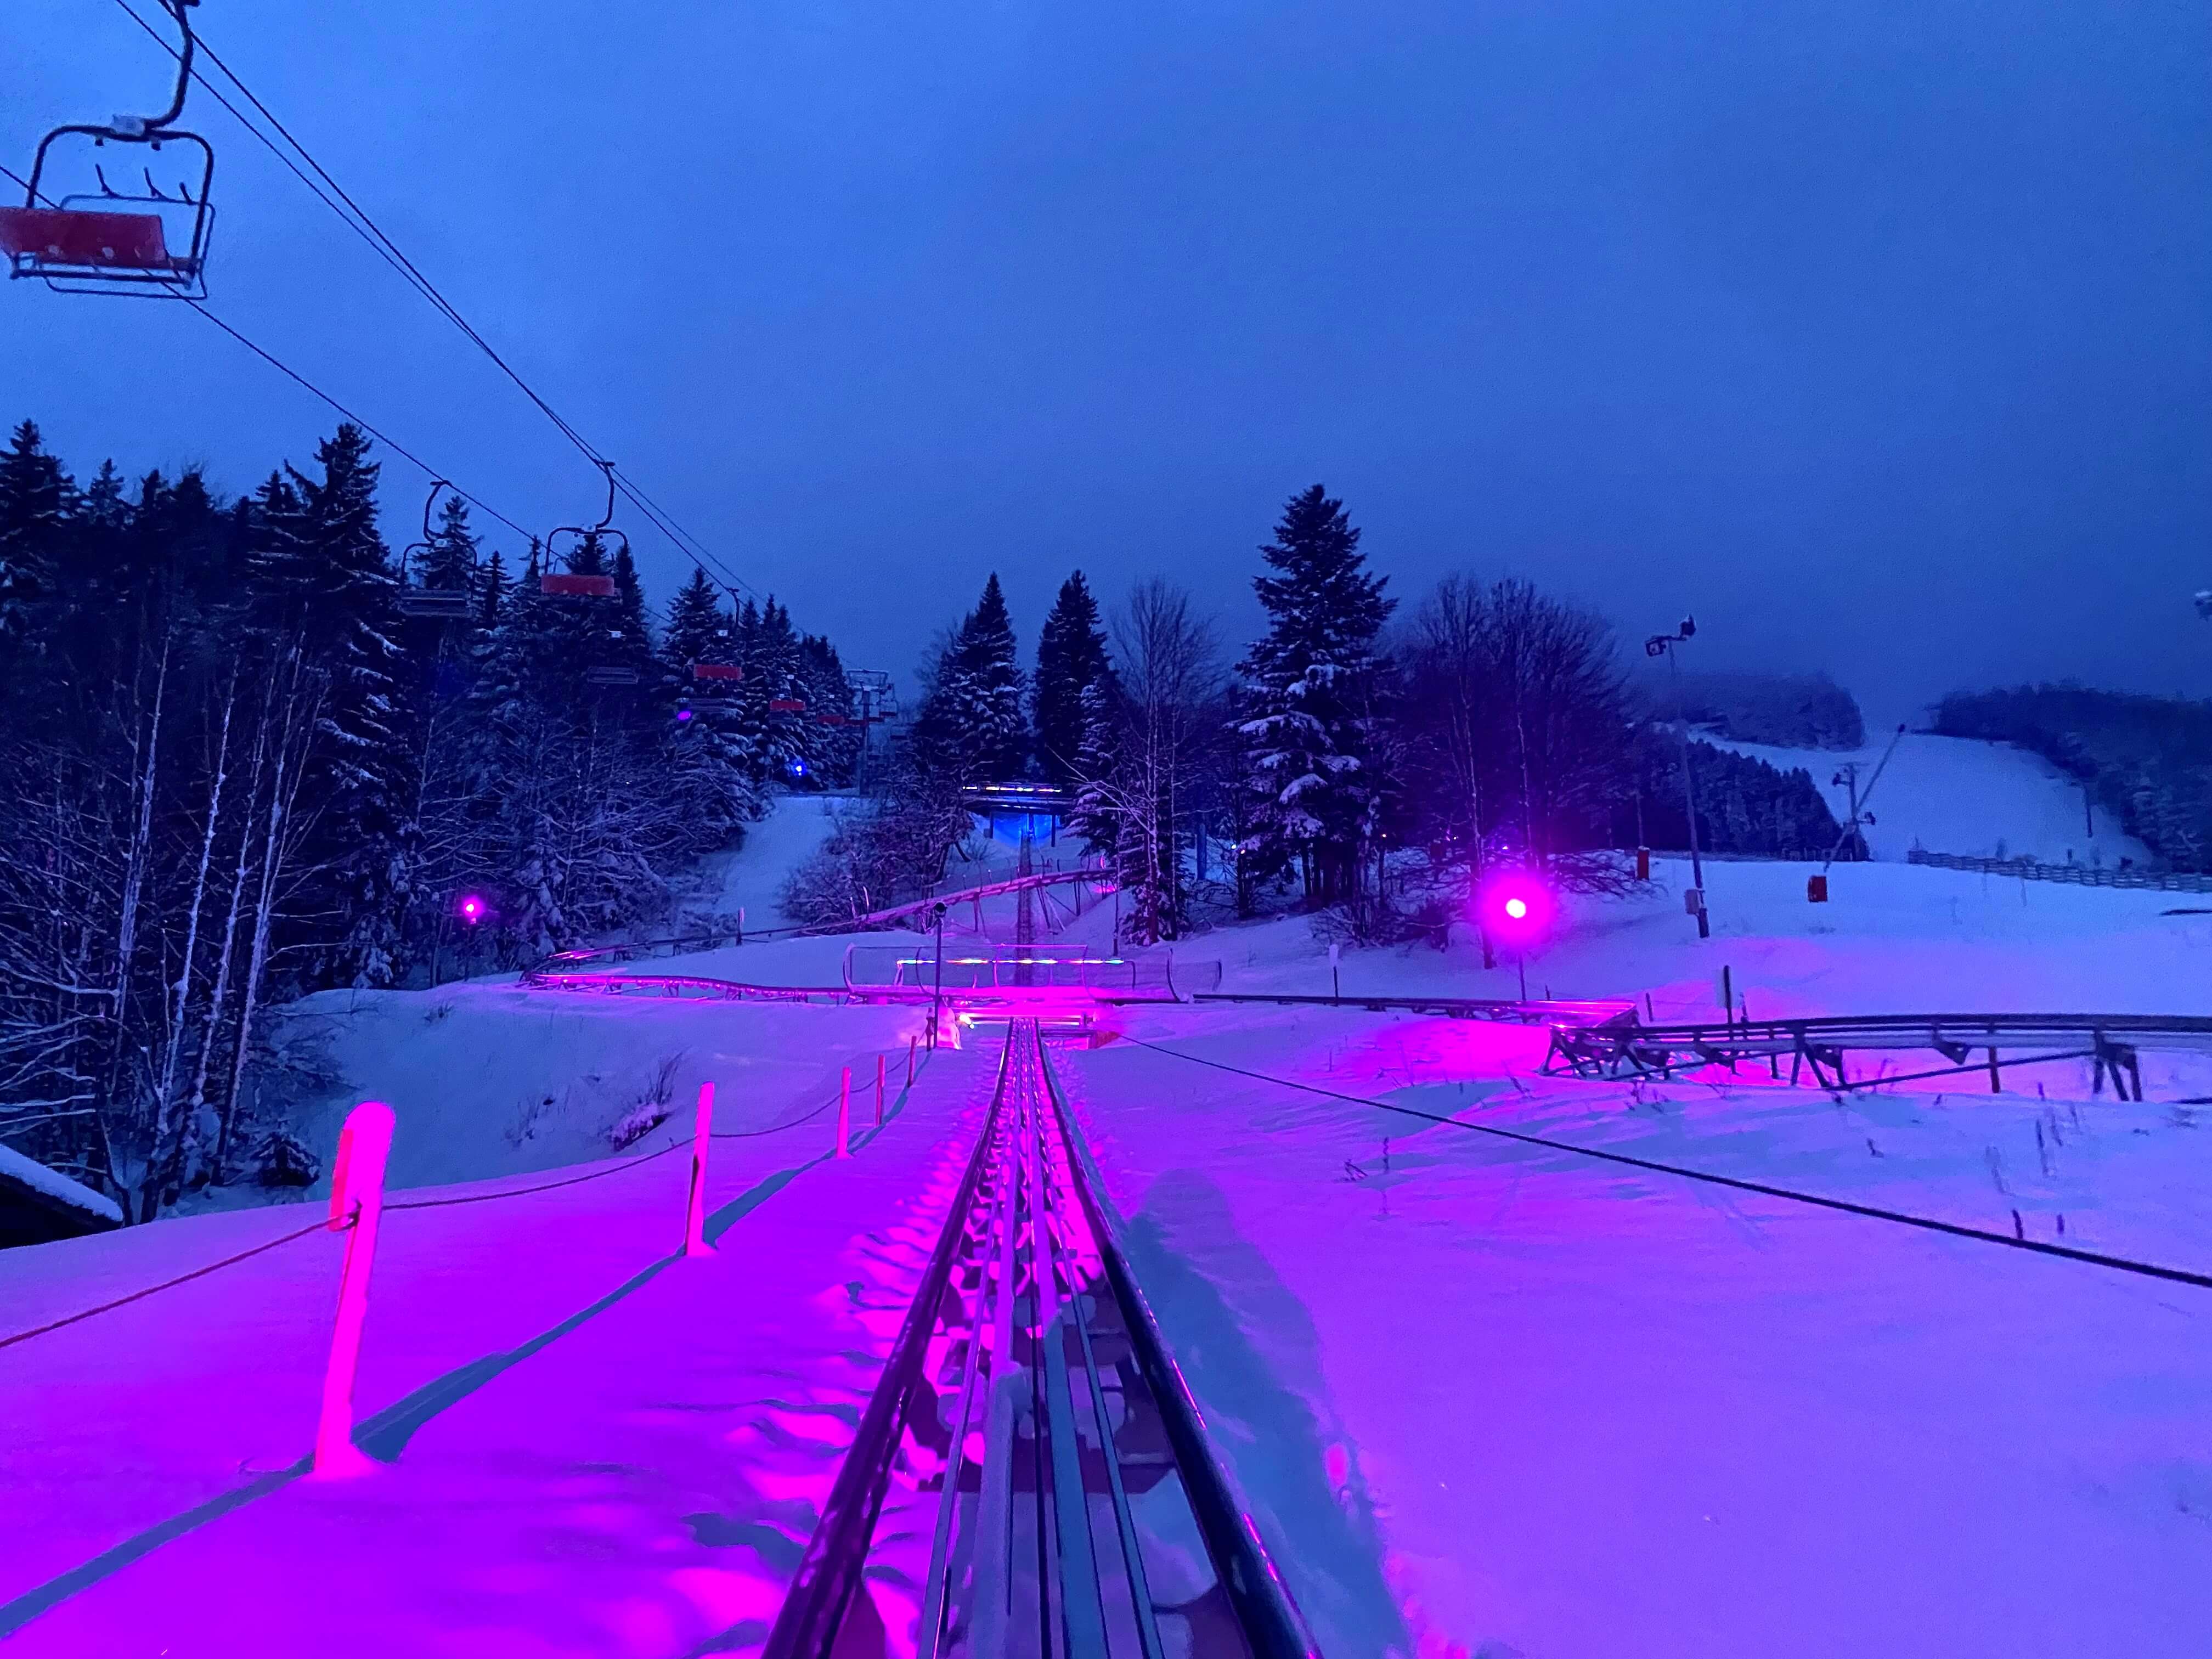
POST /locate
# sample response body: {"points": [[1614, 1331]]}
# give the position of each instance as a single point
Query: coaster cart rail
{"points": [[1563, 1012], [1025, 972], [2114, 1043], [917, 911]]}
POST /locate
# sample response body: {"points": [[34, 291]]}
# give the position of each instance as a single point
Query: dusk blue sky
{"points": [[1876, 334]]}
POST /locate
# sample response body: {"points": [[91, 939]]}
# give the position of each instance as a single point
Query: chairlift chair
{"points": [[611, 677], [597, 588], [717, 671], [431, 603], [785, 705], [79, 240]]}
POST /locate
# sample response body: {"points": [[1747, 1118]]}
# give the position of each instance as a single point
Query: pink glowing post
{"points": [[844, 1116], [880, 1091], [695, 1211], [356, 1194]]}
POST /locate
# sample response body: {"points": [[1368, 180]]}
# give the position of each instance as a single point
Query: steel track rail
{"points": [[2113, 1042], [1032, 1397]]}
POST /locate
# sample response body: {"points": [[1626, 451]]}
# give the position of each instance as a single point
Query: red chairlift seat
{"points": [[785, 705], [79, 240], [590, 587], [831, 720], [96, 240], [716, 671]]}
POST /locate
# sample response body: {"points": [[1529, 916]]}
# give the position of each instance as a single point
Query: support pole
{"points": [[1995, 1087], [845, 1114], [880, 1091], [695, 1209], [357, 1199], [911, 1044]]}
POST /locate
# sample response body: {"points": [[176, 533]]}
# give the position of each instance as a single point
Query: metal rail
{"points": [[1562, 1012], [2112, 1043], [1030, 1388]]}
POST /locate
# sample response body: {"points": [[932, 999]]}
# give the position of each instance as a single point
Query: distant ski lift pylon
{"points": [[433, 603], [571, 582], [77, 239]]}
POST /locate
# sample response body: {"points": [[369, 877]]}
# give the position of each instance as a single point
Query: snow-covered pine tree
{"points": [[36, 501], [971, 724], [1072, 658], [322, 573], [1306, 705], [712, 761]]}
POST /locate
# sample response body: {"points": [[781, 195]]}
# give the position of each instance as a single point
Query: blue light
{"points": [[798, 767]]}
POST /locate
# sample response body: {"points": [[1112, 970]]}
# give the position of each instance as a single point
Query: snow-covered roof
{"points": [[31, 1178]]}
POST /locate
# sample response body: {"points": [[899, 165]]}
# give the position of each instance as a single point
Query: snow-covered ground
{"points": [[587, 1445], [1958, 795], [1487, 1398], [1494, 1400]]}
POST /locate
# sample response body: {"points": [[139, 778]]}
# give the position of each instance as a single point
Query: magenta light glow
{"points": [[1518, 905], [472, 908]]}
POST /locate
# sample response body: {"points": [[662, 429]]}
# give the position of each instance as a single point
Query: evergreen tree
{"points": [[36, 498], [325, 578], [1070, 659], [971, 726], [1307, 705]]}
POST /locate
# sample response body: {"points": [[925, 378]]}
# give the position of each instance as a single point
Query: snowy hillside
{"points": [[1956, 795]]}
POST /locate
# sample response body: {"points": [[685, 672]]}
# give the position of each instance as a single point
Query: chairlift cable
{"points": [[388, 442], [358, 219]]}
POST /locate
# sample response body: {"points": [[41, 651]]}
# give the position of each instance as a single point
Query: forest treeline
{"points": [[1493, 723], [2146, 760], [250, 750]]}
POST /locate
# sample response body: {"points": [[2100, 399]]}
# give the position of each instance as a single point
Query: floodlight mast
{"points": [[1663, 645]]}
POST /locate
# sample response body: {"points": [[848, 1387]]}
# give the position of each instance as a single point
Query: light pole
{"points": [[937, 996], [1663, 645]]}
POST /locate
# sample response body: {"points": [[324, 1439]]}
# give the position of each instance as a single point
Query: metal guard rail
{"points": [[829, 1569], [2111, 1041]]}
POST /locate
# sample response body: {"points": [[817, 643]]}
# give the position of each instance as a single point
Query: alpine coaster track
{"points": [[1058, 1460]]}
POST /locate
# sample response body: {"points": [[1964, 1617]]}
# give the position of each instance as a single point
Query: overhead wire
{"points": [[308, 385], [359, 220]]}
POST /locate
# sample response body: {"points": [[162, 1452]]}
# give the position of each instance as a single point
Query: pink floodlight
{"points": [[472, 909], [1516, 906]]}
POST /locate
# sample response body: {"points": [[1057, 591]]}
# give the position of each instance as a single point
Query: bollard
{"points": [[844, 1116], [356, 1192], [880, 1091], [695, 1209]]}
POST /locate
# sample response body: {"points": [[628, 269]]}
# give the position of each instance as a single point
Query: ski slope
{"points": [[1960, 795]]}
